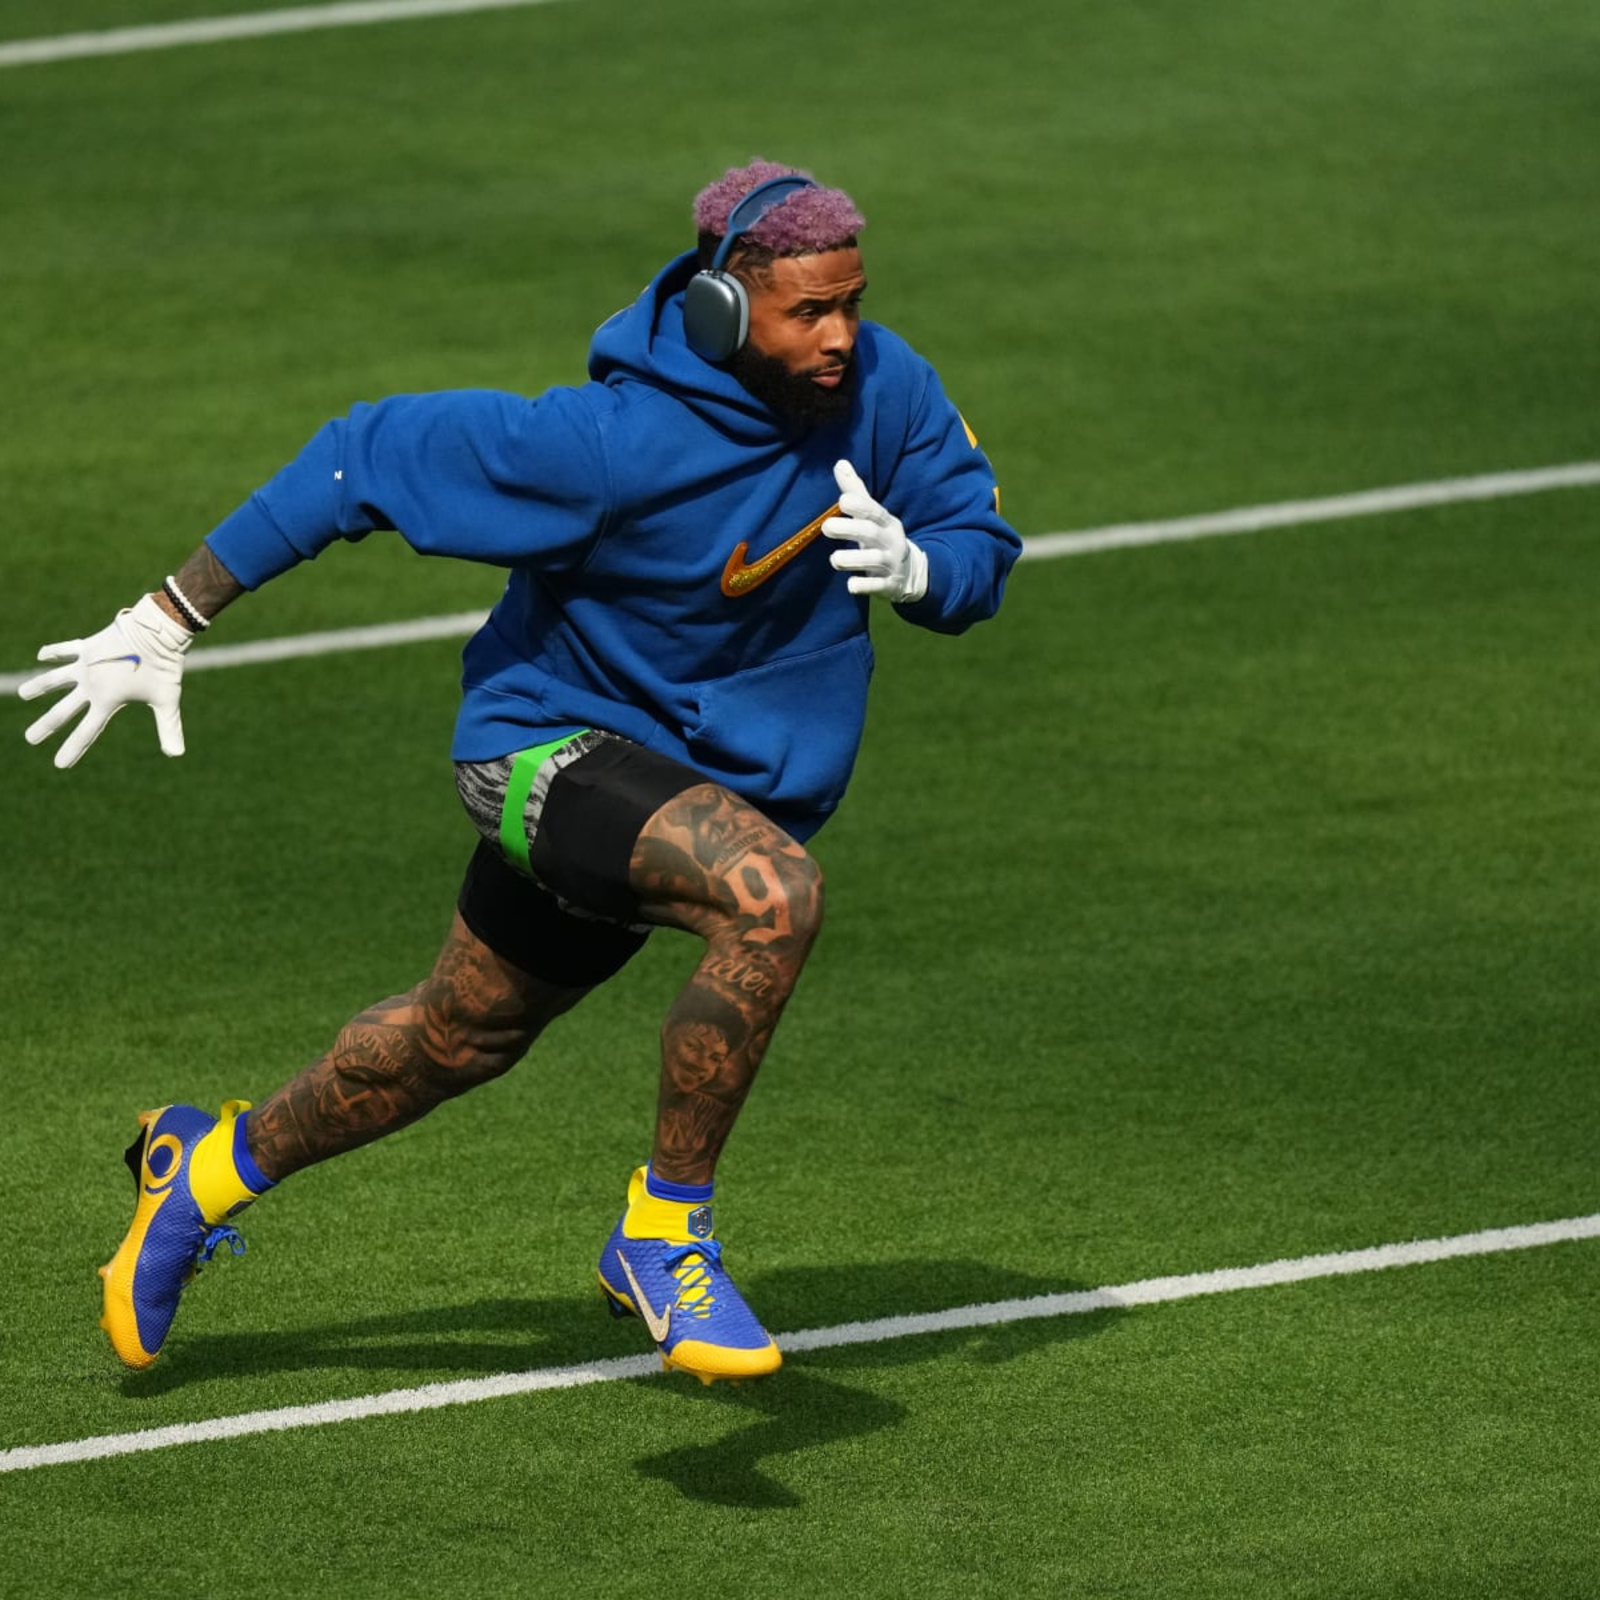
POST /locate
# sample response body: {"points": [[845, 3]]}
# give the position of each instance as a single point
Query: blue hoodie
{"points": [[634, 513]]}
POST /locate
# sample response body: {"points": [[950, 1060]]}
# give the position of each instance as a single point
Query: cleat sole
{"points": [[708, 1378]]}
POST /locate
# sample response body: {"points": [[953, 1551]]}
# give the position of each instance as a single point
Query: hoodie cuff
{"points": [[251, 545]]}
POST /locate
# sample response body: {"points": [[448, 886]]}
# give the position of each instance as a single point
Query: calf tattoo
{"points": [[472, 1019], [709, 863]]}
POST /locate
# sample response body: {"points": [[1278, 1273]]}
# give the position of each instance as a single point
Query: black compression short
{"points": [[573, 922]]}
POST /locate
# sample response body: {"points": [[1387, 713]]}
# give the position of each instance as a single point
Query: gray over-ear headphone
{"points": [[716, 309]]}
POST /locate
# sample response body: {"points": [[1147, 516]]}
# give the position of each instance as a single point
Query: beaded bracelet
{"points": [[197, 623]]}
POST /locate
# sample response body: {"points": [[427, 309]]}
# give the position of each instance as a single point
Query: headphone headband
{"points": [[753, 207], [716, 309]]}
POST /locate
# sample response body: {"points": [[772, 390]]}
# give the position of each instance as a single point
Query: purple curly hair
{"points": [[806, 222]]}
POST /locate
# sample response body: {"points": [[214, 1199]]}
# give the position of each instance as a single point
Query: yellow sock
{"points": [[214, 1179], [650, 1217]]}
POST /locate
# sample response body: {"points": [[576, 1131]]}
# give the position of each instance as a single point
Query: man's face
{"points": [[803, 325]]}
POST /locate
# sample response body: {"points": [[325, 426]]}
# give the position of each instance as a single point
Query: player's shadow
{"points": [[804, 1405], [426, 1344], [801, 1407]]}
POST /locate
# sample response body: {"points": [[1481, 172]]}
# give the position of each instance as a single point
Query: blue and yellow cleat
{"points": [[171, 1236], [678, 1286]]}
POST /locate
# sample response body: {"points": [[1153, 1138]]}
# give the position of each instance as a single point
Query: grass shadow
{"points": [[803, 1407], [429, 1344]]}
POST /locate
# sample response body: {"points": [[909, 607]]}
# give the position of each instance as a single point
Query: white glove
{"points": [[885, 561], [139, 656]]}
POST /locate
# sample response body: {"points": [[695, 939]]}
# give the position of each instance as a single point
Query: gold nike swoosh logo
{"points": [[740, 578], [660, 1326]]}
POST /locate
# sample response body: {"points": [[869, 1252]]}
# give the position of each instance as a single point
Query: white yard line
{"points": [[1121, 1297], [1336, 508], [251, 25], [1042, 547], [456, 625]]}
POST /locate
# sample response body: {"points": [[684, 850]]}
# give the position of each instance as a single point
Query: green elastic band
{"points": [[524, 768]]}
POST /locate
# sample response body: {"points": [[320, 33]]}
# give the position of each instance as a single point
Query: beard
{"points": [[792, 396]]}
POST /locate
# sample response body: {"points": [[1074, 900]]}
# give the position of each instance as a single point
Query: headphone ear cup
{"points": [[716, 315]]}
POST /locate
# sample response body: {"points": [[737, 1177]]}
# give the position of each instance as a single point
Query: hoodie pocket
{"points": [[786, 733]]}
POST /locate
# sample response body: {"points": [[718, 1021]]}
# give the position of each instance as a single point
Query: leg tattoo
{"points": [[472, 1019], [709, 863]]}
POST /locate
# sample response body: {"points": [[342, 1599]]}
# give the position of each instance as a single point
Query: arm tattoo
{"points": [[207, 584]]}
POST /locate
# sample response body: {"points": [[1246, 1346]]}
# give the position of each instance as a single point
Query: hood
{"points": [[645, 344]]}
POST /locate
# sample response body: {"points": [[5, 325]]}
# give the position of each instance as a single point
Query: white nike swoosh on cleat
{"points": [[660, 1326]]}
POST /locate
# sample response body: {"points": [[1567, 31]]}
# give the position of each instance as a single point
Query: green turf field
{"points": [[1221, 903]]}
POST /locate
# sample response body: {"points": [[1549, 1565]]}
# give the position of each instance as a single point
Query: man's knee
{"points": [[464, 1044], [428, 1044], [709, 862], [772, 891], [762, 935], [471, 1019], [804, 898]]}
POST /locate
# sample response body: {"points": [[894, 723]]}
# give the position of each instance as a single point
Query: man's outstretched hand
{"points": [[137, 657]]}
